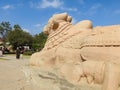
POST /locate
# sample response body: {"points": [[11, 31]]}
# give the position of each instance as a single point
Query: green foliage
{"points": [[28, 53], [17, 27], [39, 41], [18, 37], [5, 27]]}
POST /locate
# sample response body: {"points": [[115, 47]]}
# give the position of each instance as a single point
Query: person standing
{"points": [[17, 53], [1, 52], [21, 54]]}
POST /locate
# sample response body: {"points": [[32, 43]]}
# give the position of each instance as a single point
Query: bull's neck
{"points": [[55, 36]]}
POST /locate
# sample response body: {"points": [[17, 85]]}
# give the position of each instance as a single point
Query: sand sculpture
{"points": [[81, 52]]}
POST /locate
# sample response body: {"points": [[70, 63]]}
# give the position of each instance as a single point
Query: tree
{"points": [[18, 37], [17, 27], [39, 41], [5, 27]]}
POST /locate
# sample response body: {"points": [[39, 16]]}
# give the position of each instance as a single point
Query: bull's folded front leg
{"points": [[111, 77]]}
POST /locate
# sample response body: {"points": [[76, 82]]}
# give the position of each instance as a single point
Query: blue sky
{"points": [[32, 15]]}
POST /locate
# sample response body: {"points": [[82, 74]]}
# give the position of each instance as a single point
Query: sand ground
{"points": [[12, 76]]}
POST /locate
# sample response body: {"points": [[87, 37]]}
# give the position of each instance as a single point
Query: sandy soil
{"points": [[12, 76]]}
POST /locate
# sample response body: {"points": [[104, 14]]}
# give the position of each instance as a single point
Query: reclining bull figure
{"points": [[81, 51]]}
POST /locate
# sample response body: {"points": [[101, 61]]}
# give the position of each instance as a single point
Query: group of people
{"points": [[19, 52]]}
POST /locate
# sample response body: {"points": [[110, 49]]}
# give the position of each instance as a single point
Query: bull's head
{"points": [[54, 22]]}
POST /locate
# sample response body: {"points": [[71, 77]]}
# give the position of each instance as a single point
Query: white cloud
{"points": [[6, 7], [117, 11], [27, 30], [68, 9], [38, 25], [47, 3], [93, 9], [51, 3], [96, 6]]}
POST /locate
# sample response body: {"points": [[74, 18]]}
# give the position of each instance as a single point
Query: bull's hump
{"points": [[106, 36]]}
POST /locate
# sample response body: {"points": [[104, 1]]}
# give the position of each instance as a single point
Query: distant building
{"points": [[26, 47]]}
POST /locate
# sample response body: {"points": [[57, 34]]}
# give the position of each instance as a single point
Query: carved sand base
{"points": [[50, 80]]}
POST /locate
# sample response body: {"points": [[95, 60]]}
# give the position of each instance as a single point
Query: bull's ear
{"points": [[69, 19], [55, 25]]}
